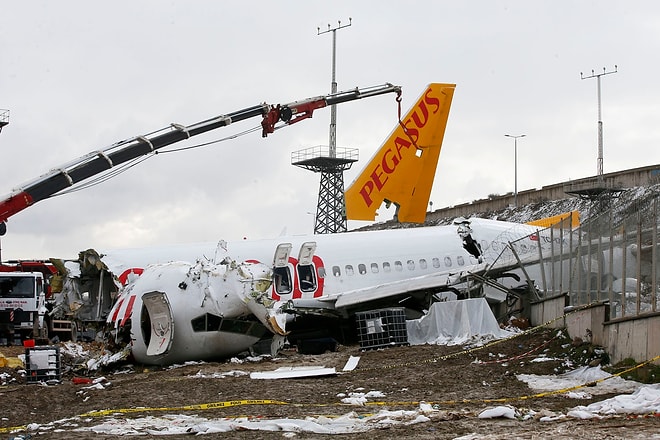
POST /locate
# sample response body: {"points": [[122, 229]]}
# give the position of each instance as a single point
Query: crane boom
{"points": [[96, 162]]}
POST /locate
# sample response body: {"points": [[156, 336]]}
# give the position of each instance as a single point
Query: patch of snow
{"points": [[179, 424], [578, 377], [645, 400]]}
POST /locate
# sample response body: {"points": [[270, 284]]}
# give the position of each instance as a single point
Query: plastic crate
{"points": [[382, 328], [42, 364]]}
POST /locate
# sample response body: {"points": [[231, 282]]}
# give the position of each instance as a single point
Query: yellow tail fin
{"points": [[403, 169]]}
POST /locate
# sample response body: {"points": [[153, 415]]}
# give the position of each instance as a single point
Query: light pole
{"points": [[515, 166]]}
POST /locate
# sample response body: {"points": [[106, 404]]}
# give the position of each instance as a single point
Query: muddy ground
{"points": [[446, 377]]}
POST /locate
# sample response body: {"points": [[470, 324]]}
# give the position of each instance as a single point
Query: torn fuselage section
{"points": [[182, 311], [469, 243], [88, 292]]}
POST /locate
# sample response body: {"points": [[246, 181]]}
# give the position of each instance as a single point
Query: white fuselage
{"points": [[342, 270]]}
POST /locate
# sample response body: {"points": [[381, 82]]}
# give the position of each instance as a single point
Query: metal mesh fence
{"points": [[613, 256]]}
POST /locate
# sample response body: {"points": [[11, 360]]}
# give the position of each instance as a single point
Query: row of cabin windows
{"points": [[308, 282], [398, 266]]}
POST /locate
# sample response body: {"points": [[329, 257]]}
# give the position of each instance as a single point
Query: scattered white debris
{"points": [[293, 372], [544, 358], [236, 360], [73, 349], [359, 399], [185, 364], [351, 363], [221, 375], [100, 383], [107, 359], [507, 411]]}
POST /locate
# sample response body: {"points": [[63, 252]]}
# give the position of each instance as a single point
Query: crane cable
{"points": [[114, 172]]}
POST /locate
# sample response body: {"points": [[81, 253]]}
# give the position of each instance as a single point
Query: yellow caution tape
{"points": [[13, 429], [201, 406]]}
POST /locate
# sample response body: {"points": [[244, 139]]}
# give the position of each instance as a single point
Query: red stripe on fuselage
{"points": [[129, 310]]}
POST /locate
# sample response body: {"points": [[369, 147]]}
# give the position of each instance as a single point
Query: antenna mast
{"points": [[333, 85], [599, 164]]}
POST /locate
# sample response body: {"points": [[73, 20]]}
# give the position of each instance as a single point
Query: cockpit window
{"points": [[206, 323]]}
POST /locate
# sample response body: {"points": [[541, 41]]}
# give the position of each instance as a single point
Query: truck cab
{"points": [[22, 298]]}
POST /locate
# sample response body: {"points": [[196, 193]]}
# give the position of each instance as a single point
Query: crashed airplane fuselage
{"points": [[212, 300]]}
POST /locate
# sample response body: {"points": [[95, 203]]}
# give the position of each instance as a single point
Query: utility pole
{"points": [[599, 163]]}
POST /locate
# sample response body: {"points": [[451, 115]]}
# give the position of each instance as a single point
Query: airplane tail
{"points": [[403, 169]]}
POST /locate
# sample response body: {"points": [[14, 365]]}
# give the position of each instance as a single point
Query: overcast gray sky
{"points": [[79, 76]]}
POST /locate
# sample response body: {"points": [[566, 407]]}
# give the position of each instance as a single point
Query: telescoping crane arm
{"points": [[97, 162]]}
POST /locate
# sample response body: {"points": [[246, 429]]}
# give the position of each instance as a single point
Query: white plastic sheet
{"points": [[455, 322]]}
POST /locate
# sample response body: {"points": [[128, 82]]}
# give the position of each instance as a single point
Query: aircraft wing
{"points": [[439, 281]]}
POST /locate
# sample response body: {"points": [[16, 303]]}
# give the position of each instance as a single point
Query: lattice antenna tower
{"points": [[330, 162]]}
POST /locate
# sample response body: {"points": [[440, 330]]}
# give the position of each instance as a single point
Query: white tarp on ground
{"points": [[455, 323]]}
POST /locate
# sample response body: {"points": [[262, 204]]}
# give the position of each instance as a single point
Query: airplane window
{"points": [[336, 271], [398, 266], [362, 269], [422, 263], [282, 279], [460, 260], [436, 262], [321, 272], [411, 265], [374, 267], [306, 277], [447, 262], [349, 269], [386, 266]]}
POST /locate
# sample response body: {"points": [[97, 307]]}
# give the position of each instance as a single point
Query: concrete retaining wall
{"points": [[637, 338], [644, 176], [545, 312]]}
